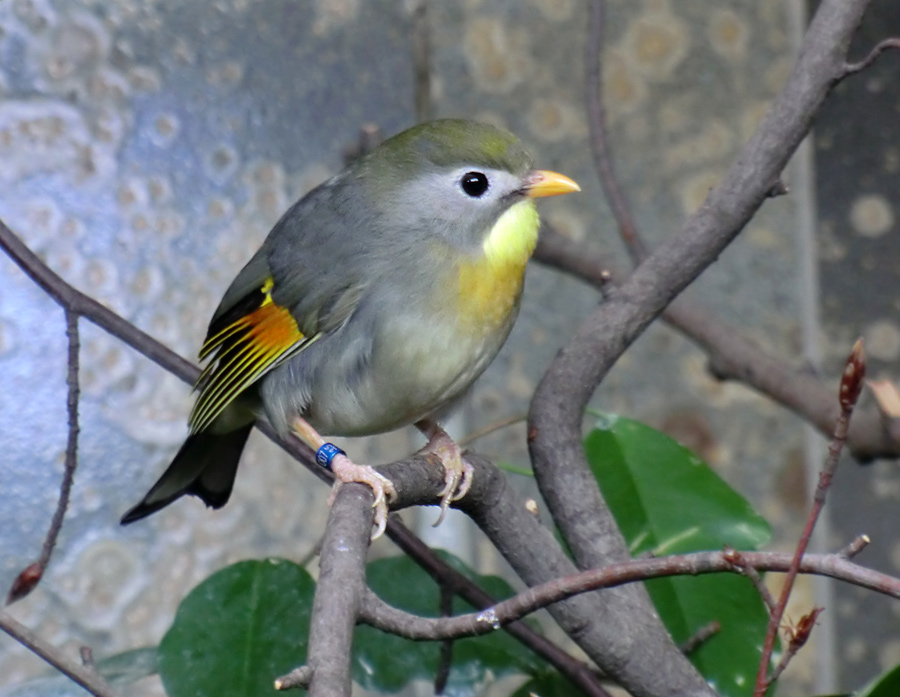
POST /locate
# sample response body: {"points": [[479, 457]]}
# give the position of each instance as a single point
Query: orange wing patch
{"points": [[243, 351]]}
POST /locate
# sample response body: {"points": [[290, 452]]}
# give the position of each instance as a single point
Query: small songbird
{"points": [[375, 302]]}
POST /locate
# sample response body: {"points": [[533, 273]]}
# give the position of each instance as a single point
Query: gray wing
{"points": [[323, 255]]}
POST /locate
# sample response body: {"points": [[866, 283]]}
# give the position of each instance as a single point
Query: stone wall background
{"points": [[148, 147]]}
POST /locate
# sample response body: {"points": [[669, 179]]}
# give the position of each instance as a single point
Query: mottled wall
{"points": [[857, 179], [147, 147]]}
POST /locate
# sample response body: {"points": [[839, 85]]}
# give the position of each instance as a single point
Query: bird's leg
{"points": [[457, 472], [345, 471]]}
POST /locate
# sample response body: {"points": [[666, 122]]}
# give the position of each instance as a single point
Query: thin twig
{"points": [[700, 637], [87, 657], [786, 657], [71, 298], [89, 679], [599, 141], [851, 385], [797, 638], [421, 61], [28, 579], [299, 677], [446, 656], [490, 428], [752, 574], [377, 613], [71, 463], [761, 588], [576, 671], [855, 547], [853, 68]]}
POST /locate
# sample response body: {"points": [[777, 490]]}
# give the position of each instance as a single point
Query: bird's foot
{"points": [[457, 472], [346, 471]]}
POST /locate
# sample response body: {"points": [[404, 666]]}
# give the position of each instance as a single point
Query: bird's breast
{"points": [[487, 294], [490, 283]]}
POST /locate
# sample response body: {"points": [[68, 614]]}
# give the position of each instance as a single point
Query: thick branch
{"points": [[734, 356], [559, 401], [342, 580]]}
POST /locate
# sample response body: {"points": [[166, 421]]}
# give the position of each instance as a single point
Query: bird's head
{"points": [[469, 183]]}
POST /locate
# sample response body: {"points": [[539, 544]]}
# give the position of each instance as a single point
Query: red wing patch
{"points": [[242, 352]]}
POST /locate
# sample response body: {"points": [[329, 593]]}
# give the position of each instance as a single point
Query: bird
{"points": [[375, 302]]}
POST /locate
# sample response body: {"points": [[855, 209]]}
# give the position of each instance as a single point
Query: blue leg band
{"points": [[326, 453]]}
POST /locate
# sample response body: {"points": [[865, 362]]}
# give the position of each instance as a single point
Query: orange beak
{"points": [[542, 182]]}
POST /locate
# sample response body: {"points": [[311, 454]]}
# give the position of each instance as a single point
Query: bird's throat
{"points": [[490, 285]]}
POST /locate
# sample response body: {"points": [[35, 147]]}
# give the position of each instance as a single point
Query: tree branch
{"points": [[851, 385], [577, 671], [603, 162], [71, 298], [559, 401], [734, 356], [853, 68], [88, 678], [376, 612], [27, 580], [342, 580]]}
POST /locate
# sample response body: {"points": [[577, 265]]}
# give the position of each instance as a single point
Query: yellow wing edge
{"points": [[241, 353]]}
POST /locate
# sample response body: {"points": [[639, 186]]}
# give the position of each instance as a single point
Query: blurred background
{"points": [[147, 147]]}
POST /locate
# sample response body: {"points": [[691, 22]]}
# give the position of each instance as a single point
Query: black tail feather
{"points": [[204, 467]]}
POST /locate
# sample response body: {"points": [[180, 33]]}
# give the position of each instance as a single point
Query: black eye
{"points": [[474, 183]]}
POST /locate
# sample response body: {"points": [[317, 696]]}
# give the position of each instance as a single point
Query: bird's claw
{"points": [[457, 482], [457, 472], [346, 471]]}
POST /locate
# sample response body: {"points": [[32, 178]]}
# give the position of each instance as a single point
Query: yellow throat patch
{"points": [[489, 286]]}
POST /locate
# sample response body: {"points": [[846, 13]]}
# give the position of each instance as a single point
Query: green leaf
{"points": [[238, 630], [551, 684], [514, 469], [123, 669], [388, 663], [667, 501], [885, 685]]}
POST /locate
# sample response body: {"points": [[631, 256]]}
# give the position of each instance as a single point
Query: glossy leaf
{"points": [[389, 663], [667, 501], [885, 685], [551, 684], [238, 631]]}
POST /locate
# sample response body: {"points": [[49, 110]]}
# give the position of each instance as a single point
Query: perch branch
{"points": [[342, 580], [77, 302]]}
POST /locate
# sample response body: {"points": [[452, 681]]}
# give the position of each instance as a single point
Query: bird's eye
{"points": [[474, 184]]}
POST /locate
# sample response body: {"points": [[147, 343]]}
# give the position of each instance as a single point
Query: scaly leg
{"points": [[345, 471], [457, 472]]}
